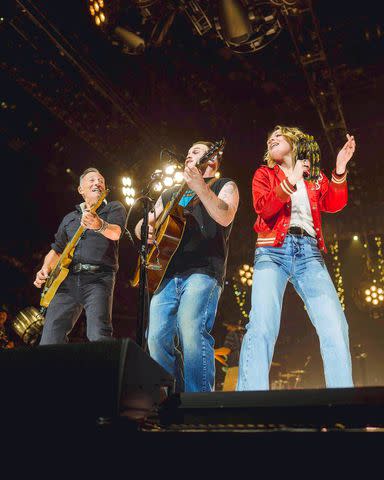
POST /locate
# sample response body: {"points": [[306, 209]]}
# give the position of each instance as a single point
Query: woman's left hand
{"points": [[345, 154]]}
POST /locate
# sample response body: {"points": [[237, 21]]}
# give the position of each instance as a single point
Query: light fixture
{"points": [[247, 29], [178, 177], [168, 181], [158, 187], [132, 43], [245, 274], [128, 192], [234, 21], [97, 11]]}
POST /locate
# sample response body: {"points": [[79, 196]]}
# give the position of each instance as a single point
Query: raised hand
{"points": [[194, 179], [345, 154]]}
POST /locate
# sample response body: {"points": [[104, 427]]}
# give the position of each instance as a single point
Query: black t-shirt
{"points": [[204, 245], [93, 247]]}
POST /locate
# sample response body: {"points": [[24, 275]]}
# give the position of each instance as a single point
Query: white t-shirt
{"points": [[301, 215]]}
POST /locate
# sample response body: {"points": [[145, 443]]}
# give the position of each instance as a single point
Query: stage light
{"points": [[128, 191], [373, 295], [158, 187], [96, 9], [234, 21], [168, 181], [169, 169], [355, 238], [127, 182], [245, 274], [178, 177], [132, 43], [247, 29]]}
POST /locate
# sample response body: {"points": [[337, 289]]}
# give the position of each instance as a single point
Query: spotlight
{"points": [[168, 181], [247, 29], [97, 11], [132, 43], [178, 177], [368, 295], [245, 274], [234, 21], [355, 238], [128, 191], [158, 187]]}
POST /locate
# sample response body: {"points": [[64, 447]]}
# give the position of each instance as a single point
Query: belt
{"points": [[86, 267], [298, 231]]}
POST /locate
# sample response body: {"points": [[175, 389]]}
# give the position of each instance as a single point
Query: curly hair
{"points": [[292, 136]]}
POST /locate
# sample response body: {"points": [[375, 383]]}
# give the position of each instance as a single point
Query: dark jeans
{"points": [[91, 291]]}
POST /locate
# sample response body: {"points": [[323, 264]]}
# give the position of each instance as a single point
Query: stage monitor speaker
{"points": [[312, 408], [80, 383]]}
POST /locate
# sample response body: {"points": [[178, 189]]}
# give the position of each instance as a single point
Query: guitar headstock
{"points": [[308, 149], [216, 149]]}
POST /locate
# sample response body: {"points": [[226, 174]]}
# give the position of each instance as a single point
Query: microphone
{"points": [[179, 158]]}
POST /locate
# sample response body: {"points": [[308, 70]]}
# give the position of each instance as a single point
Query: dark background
{"points": [[70, 98]]}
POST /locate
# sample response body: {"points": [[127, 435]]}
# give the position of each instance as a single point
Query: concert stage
{"points": [[113, 401]]}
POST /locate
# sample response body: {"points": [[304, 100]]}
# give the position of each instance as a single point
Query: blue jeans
{"points": [[299, 261], [185, 307]]}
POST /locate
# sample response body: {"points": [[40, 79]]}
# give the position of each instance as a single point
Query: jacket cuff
{"points": [[339, 178], [285, 189]]}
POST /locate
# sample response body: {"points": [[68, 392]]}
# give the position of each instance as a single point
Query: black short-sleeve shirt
{"points": [[93, 248], [205, 243]]}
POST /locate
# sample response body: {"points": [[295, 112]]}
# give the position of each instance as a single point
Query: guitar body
{"points": [[168, 239], [50, 292]]}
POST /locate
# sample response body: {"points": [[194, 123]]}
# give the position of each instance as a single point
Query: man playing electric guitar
{"points": [[184, 305], [91, 278]]}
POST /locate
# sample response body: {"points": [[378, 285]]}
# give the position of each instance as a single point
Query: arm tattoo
{"points": [[222, 205], [228, 191]]}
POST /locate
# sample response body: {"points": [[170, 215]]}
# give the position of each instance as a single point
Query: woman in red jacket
{"points": [[288, 196]]}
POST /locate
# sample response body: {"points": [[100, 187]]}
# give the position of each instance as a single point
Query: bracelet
{"points": [[104, 226]]}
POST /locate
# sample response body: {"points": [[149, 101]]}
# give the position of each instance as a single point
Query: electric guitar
{"points": [[61, 269], [169, 229]]}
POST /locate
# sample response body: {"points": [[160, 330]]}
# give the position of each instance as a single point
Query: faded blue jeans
{"points": [[299, 261], [185, 308]]}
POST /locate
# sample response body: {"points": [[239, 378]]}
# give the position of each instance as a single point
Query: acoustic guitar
{"points": [[169, 229], [61, 269]]}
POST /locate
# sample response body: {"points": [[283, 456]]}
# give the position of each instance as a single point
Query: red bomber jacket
{"points": [[272, 202]]}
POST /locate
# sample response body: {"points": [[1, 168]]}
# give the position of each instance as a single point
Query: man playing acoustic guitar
{"points": [[91, 278], [184, 305]]}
